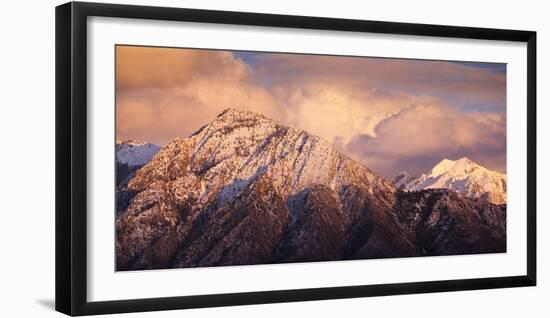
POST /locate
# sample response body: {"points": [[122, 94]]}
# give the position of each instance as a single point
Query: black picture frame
{"points": [[71, 157]]}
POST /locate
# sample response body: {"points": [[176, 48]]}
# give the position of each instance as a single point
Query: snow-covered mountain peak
{"points": [[238, 117], [131, 142], [239, 114], [231, 119], [238, 146], [463, 176], [402, 179], [135, 153], [458, 168]]}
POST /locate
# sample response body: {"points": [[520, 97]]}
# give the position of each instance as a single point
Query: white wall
{"points": [[27, 158]]}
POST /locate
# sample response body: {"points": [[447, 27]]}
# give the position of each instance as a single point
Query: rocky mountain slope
{"points": [[246, 190], [463, 176]]}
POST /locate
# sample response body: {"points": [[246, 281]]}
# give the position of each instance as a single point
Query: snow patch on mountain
{"points": [[135, 153], [402, 179]]}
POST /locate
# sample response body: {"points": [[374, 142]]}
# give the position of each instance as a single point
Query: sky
{"points": [[391, 115]]}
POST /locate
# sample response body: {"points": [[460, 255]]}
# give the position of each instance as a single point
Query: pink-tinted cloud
{"points": [[422, 134], [162, 94], [461, 83], [390, 114], [139, 67]]}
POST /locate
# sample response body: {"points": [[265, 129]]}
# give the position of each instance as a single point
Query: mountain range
{"points": [[245, 189]]}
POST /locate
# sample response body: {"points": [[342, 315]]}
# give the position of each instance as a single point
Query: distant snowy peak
{"points": [[131, 142], [135, 153], [460, 168], [463, 176], [402, 179]]}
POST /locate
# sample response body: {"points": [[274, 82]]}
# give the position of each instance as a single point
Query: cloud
{"points": [[390, 114], [167, 93], [155, 67], [394, 114], [334, 112], [421, 135], [462, 84]]}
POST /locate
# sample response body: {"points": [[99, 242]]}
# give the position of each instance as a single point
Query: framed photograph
{"points": [[227, 158]]}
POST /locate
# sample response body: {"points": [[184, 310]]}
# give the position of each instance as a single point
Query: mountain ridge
{"points": [[245, 189]]}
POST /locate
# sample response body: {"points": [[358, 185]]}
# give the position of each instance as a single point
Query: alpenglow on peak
{"points": [[463, 176]]}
